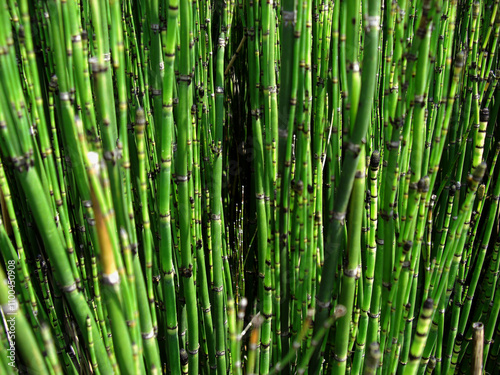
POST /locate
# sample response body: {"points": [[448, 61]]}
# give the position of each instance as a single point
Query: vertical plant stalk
{"points": [[216, 216], [115, 305], [369, 272], [478, 342], [183, 173], [418, 344], [352, 154], [352, 257], [288, 18], [164, 186], [20, 333]]}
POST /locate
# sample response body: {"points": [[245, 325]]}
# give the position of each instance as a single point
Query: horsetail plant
{"points": [[247, 186]]}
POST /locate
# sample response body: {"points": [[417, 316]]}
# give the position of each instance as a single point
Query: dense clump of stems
{"points": [[213, 187]]}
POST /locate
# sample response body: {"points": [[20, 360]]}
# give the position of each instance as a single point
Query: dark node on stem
{"points": [[475, 9], [479, 172], [375, 160], [359, 174], [407, 246], [53, 83], [485, 115], [392, 145], [140, 120], [298, 186], [459, 60], [432, 363], [134, 248], [453, 189], [423, 184], [184, 356], [186, 271], [480, 191], [428, 304], [310, 189]]}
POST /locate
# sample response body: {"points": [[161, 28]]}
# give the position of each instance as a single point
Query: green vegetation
{"points": [[249, 187]]}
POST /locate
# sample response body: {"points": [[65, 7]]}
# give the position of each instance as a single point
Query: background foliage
{"points": [[250, 186]]}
